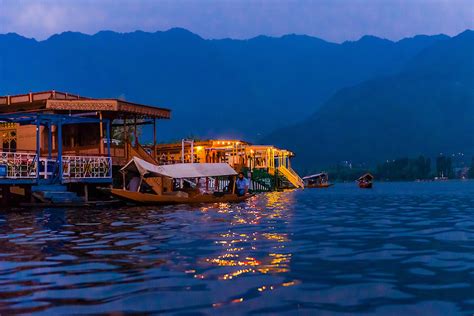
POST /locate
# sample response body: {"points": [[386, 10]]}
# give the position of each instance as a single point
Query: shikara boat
{"points": [[183, 183], [365, 181], [319, 181]]}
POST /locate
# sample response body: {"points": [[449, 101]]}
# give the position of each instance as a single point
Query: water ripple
{"points": [[399, 248]]}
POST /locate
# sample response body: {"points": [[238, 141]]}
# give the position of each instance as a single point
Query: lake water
{"points": [[401, 248]]}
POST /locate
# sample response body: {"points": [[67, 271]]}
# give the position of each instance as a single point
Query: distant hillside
{"points": [[240, 88], [427, 108]]}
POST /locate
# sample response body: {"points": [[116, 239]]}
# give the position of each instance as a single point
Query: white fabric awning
{"points": [[179, 171]]}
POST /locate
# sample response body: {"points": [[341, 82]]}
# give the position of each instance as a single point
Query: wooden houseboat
{"points": [[319, 181], [267, 166], [181, 183], [366, 181], [55, 142]]}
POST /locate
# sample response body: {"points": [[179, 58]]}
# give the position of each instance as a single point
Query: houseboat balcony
{"points": [[26, 168]]}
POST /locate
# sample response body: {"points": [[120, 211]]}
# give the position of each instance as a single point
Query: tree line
{"points": [[402, 169]]}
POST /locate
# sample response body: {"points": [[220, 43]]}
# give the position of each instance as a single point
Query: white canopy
{"points": [[180, 170], [318, 175]]}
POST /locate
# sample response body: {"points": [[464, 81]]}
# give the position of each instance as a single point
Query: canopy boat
{"points": [[366, 181], [184, 183], [319, 180]]}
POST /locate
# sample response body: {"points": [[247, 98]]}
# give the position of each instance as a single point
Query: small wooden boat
{"points": [[184, 183], [366, 181], [167, 199], [317, 181]]}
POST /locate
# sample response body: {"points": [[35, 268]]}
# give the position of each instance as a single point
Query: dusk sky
{"points": [[333, 20]]}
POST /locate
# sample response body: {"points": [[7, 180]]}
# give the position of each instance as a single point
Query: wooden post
{"points": [[107, 133], [38, 146], [50, 140], [135, 130], [60, 150], [101, 133], [125, 137], [233, 186], [86, 193], [154, 138]]}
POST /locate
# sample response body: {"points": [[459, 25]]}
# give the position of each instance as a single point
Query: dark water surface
{"points": [[399, 249]]}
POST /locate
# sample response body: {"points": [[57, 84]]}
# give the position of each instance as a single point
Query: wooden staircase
{"points": [[291, 176]]}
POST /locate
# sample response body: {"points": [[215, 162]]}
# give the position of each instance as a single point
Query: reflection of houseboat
{"points": [[366, 181], [269, 167], [319, 180], [180, 183]]}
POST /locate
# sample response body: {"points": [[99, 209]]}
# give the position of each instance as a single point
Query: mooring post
{"points": [[86, 193]]}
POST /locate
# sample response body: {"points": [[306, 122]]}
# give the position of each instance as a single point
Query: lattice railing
{"points": [[19, 165], [82, 167]]}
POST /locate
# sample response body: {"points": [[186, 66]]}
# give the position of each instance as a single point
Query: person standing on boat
{"points": [[242, 184]]}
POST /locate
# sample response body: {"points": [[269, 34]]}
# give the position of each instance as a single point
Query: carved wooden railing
{"points": [[19, 165], [76, 168]]}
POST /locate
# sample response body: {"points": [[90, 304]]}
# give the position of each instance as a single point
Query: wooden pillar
{"points": [[86, 193], [50, 140], [125, 137], [107, 135], [38, 147], [154, 138], [101, 133], [60, 150], [135, 134]]}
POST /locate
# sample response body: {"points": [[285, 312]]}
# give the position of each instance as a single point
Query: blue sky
{"points": [[333, 20]]}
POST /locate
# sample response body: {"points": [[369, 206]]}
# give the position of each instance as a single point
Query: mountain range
{"points": [[215, 88], [361, 100], [426, 108]]}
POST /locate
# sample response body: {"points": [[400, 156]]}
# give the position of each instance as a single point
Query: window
{"points": [[9, 140]]}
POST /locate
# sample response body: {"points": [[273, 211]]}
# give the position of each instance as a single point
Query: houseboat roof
{"points": [[179, 171], [221, 144], [317, 175], [60, 101], [366, 176]]}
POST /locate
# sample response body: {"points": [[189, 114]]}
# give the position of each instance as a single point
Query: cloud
{"points": [[335, 20]]}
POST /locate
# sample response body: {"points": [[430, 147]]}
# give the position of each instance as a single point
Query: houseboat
{"points": [[57, 147], [268, 167], [366, 181], [318, 181], [181, 183]]}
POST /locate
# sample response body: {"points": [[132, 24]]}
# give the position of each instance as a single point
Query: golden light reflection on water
{"points": [[254, 243], [240, 249]]}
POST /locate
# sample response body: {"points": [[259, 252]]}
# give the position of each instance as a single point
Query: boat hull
{"points": [[365, 185], [147, 198], [319, 186]]}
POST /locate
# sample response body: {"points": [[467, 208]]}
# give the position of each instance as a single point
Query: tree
{"points": [[470, 173]]}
